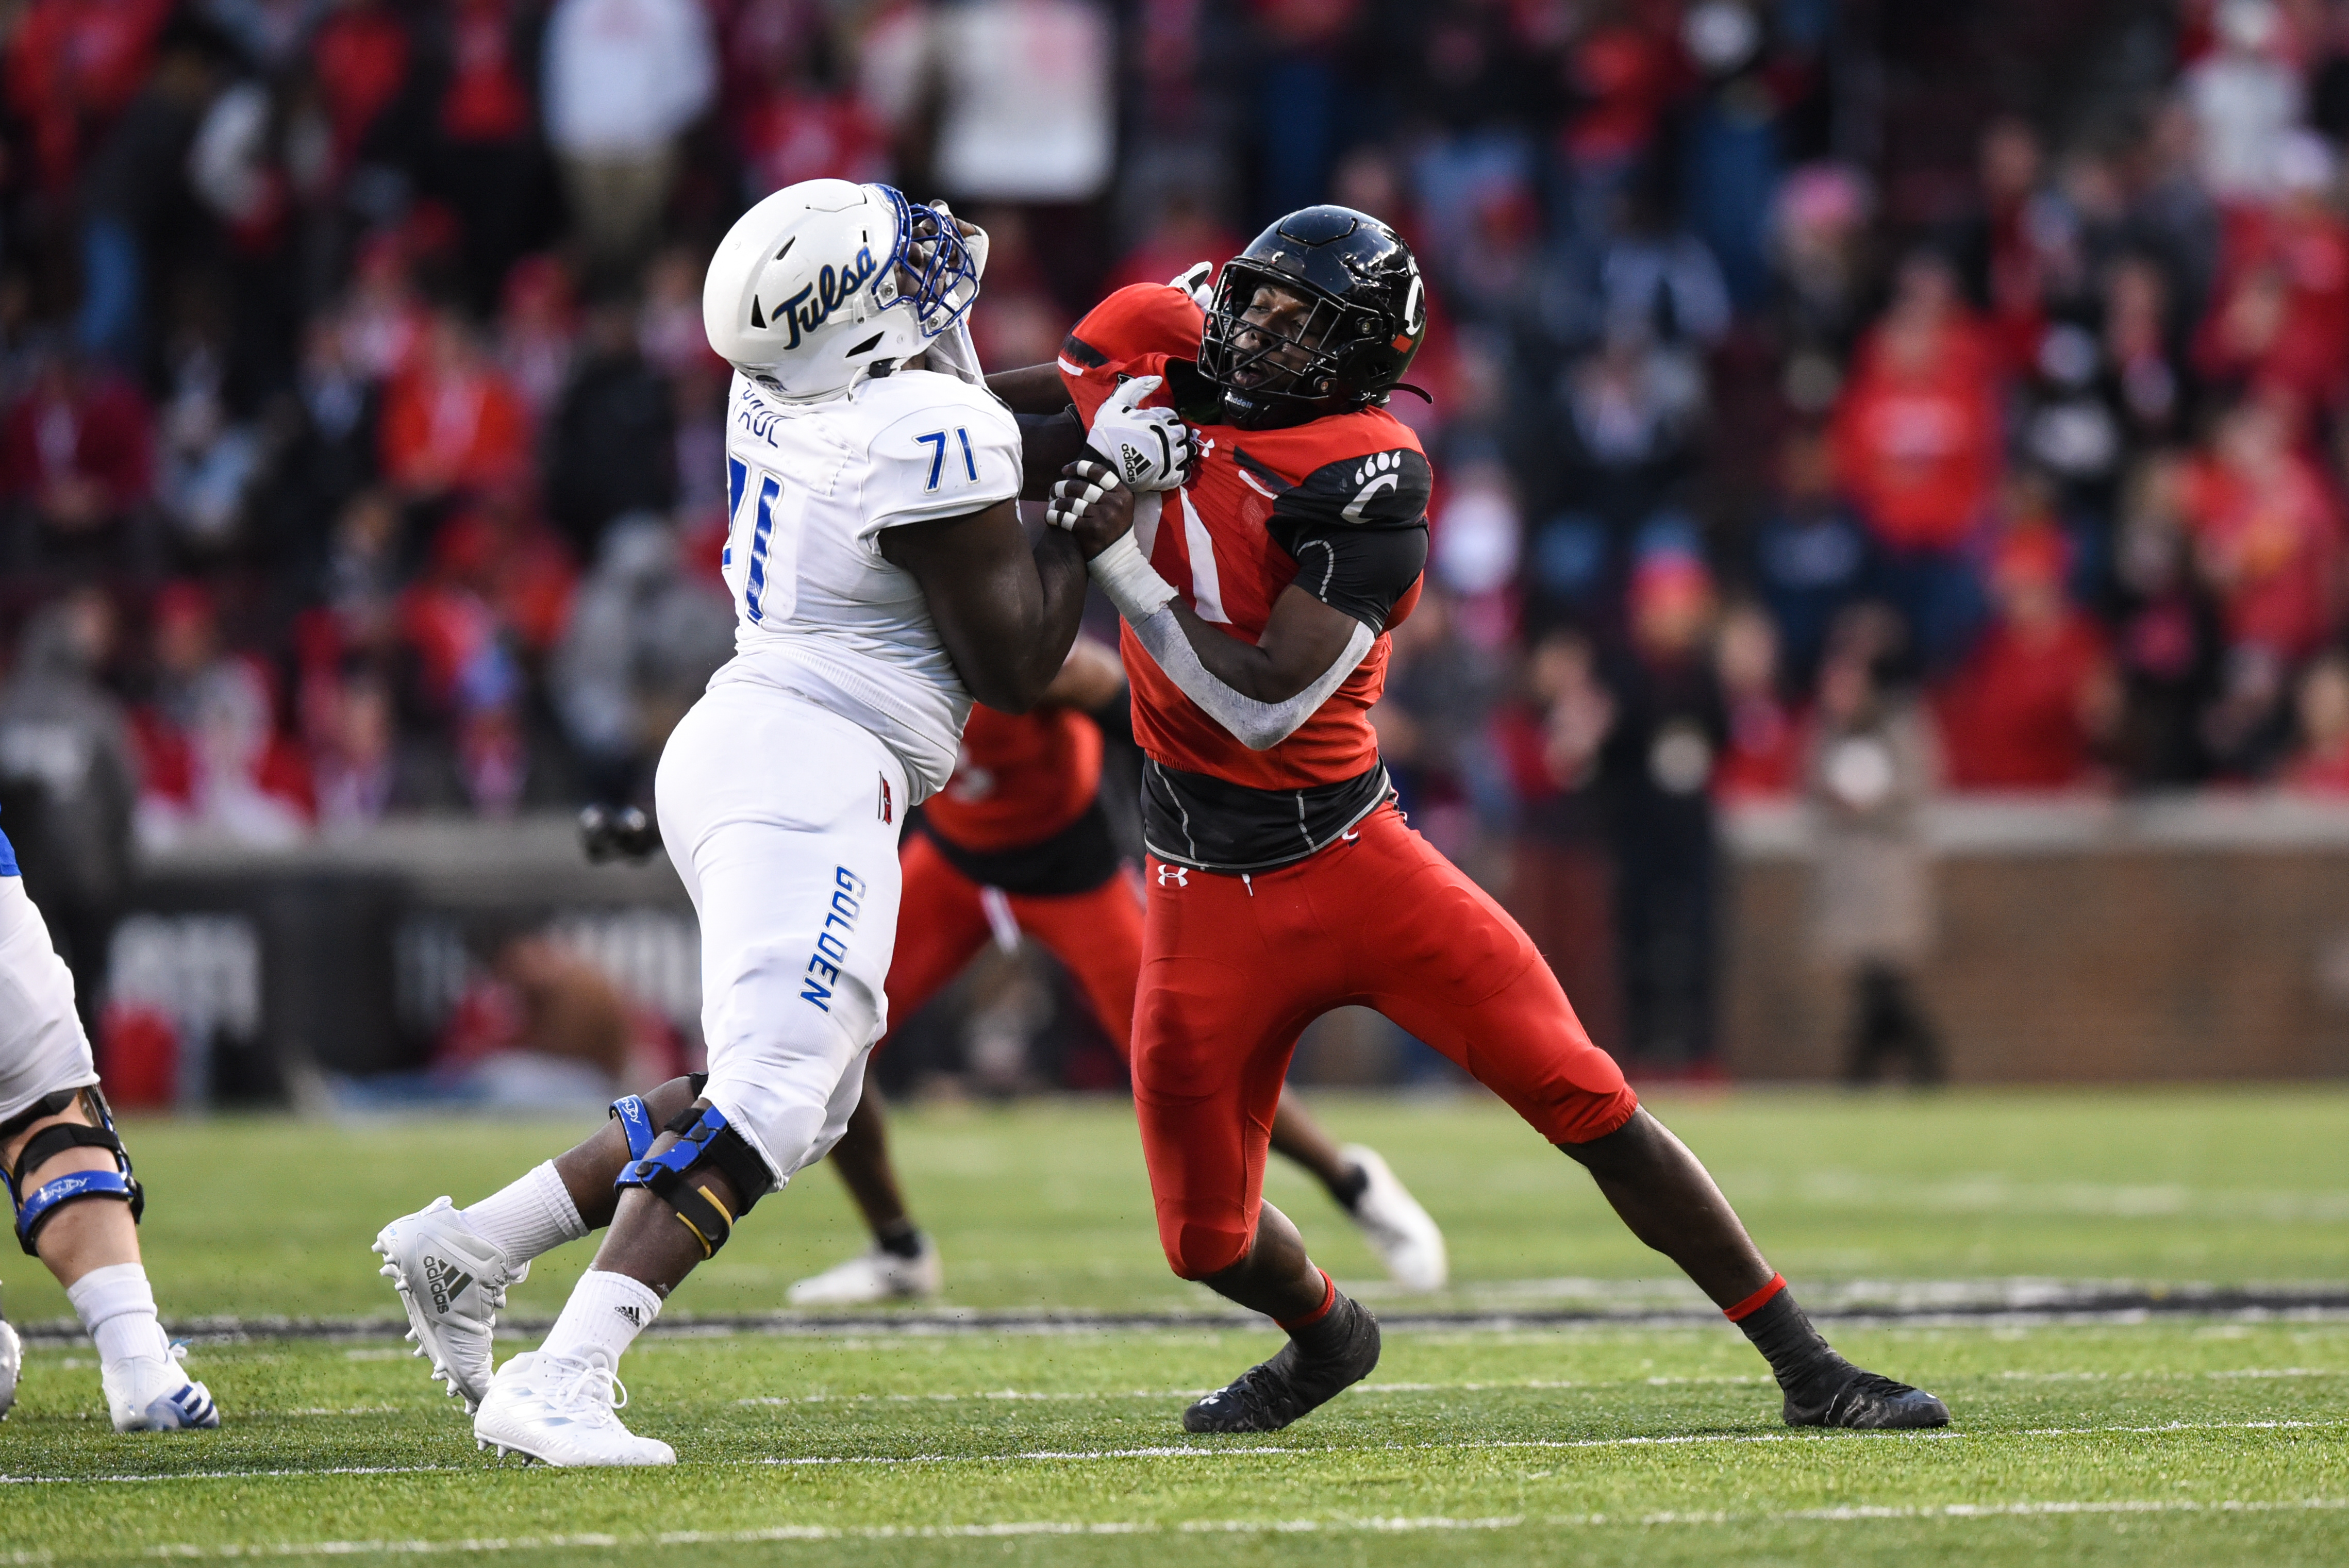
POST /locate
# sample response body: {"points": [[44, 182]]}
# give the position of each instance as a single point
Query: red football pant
{"points": [[942, 924], [1232, 971]]}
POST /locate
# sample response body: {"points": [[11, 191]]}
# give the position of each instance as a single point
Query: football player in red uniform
{"points": [[1017, 844], [1281, 880]]}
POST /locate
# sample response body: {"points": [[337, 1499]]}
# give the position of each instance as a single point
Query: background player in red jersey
{"points": [[1017, 844], [1282, 882]]}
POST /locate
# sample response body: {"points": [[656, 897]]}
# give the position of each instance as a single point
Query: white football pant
{"points": [[42, 1046], [782, 817]]}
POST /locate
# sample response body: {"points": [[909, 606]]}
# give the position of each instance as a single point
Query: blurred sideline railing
{"points": [[2179, 938], [2193, 937]]}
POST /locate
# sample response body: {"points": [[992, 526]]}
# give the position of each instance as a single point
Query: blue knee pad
{"points": [[33, 1208], [704, 1139]]}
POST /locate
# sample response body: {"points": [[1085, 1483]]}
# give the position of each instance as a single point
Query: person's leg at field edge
{"points": [[1480, 994], [794, 879], [1098, 936], [83, 1228], [1213, 1034], [92, 1249]]}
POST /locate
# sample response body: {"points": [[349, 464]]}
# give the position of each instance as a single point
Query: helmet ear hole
{"points": [[866, 346]]}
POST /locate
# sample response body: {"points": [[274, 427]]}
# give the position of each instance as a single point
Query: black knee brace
{"points": [[33, 1208], [704, 1139]]}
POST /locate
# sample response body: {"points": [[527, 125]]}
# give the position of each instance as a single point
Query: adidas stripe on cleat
{"points": [[149, 1394], [453, 1283]]}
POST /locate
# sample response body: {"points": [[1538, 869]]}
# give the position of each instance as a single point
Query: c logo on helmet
{"points": [[1174, 876]]}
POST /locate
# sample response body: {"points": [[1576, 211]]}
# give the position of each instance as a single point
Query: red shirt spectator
{"points": [[211, 758], [1624, 76], [1763, 755], [2037, 690], [450, 421], [786, 137], [361, 56], [487, 99], [2266, 532], [79, 446], [2279, 311], [73, 66], [1917, 435], [515, 563]]}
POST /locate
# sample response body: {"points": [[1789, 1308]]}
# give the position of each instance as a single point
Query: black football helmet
{"points": [[1368, 315]]}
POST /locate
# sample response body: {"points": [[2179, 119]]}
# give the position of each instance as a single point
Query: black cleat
{"points": [[1271, 1394], [618, 833], [1864, 1402]]}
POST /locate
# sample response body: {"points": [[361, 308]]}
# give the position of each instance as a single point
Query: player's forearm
{"points": [[1047, 444], [1031, 389], [1175, 638], [1249, 669], [1039, 646]]}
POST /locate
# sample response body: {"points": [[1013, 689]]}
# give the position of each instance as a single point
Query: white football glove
{"points": [[974, 238], [1149, 449], [1198, 281], [1072, 496]]}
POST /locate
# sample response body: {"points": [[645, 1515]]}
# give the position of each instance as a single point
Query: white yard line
{"points": [[1860, 1514], [1485, 1306], [1092, 1455]]}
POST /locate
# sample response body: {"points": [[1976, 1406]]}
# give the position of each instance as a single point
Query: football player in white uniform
{"points": [[76, 1204], [882, 581]]}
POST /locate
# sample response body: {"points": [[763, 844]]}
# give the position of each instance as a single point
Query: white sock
{"points": [[117, 1305], [532, 1216], [602, 1319]]}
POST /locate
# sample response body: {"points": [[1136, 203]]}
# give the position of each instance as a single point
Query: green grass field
{"points": [[2106, 1441]]}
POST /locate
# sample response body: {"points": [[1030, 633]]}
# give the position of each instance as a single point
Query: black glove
{"points": [[618, 833]]}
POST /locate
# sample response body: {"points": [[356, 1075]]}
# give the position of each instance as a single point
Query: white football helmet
{"points": [[824, 279]]}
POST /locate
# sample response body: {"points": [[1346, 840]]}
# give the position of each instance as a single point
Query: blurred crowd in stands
{"points": [[361, 450]]}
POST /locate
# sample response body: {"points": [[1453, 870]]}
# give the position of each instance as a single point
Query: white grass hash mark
{"points": [[1008, 1529]]}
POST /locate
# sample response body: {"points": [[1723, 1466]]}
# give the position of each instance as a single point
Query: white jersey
{"points": [[819, 612]]}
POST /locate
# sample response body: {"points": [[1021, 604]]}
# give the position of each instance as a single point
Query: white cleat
{"points": [[150, 1394], [873, 1277], [562, 1413], [451, 1280], [12, 1367], [1406, 1239]]}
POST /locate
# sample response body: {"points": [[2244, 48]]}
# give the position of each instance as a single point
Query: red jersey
{"points": [[1019, 781], [1264, 509], [2012, 716]]}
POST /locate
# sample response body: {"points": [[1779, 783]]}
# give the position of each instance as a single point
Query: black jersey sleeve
{"points": [[1358, 531], [1359, 571]]}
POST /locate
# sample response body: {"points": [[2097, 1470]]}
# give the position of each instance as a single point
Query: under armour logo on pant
{"points": [[1174, 876]]}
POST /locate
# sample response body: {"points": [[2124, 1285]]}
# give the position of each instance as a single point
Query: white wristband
{"points": [[1129, 580]]}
